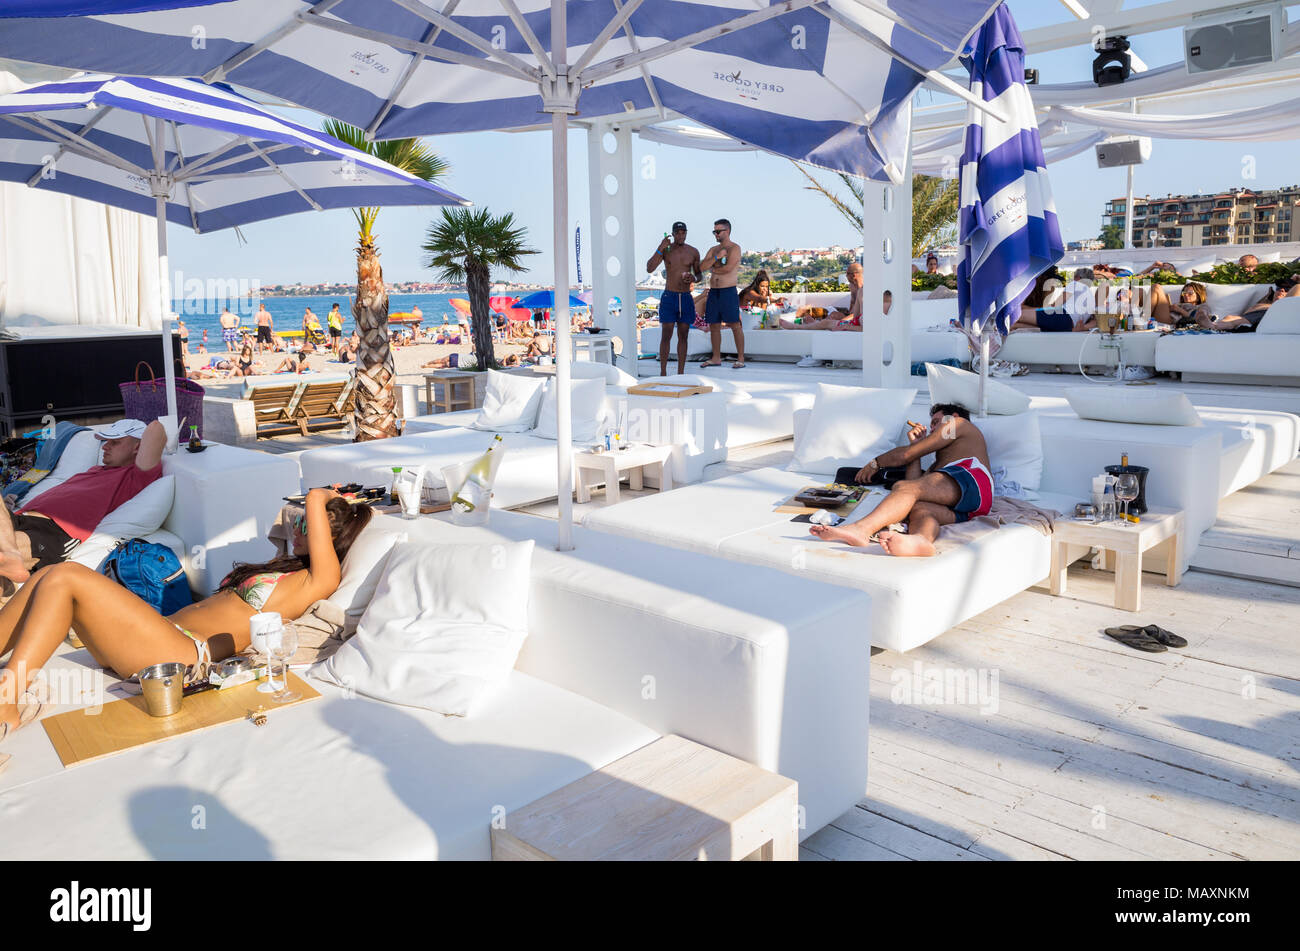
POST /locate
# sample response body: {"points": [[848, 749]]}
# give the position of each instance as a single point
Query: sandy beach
{"points": [[408, 359]]}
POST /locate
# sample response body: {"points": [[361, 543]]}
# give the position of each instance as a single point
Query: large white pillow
{"points": [[586, 410], [595, 370], [443, 630], [1282, 318], [143, 513], [849, 424], [1225, 300], [510, 403], [1015, 445], [362, 568], [954, 385], [732, 390], [1131, 404]]}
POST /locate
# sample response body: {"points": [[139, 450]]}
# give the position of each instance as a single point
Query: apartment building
{"points": [[1239, 216]]}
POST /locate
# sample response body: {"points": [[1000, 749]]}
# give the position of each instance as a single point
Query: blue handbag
{"points": [[150, 571]]}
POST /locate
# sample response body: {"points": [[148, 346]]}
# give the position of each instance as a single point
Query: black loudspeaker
{"points": [[72, 377]]}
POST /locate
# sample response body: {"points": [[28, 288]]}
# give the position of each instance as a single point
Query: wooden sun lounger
{"points": [[302, 407]]}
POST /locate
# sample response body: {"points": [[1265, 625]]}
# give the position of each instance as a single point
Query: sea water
{"points": [[287, 312]]}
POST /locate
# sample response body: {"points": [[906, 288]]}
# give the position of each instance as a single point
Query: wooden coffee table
{"points": [[670, 800], [1128, 542], [451, 380], [608, 466]]}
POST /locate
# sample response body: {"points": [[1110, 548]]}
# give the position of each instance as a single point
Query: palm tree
{"points": [[464, 246], [376, 407], [934, 206]]}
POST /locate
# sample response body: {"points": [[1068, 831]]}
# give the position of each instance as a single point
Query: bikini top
{"points": [[257, 589]]}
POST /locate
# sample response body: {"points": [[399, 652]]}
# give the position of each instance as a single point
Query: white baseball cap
{"points": [[123, 427]]}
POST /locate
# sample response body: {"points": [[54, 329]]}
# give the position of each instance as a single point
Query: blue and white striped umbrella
{"points": [[1009, 228], [219, 161], [823, 81], [195, 155]]}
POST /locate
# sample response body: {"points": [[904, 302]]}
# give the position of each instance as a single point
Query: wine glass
{"points": [[263, 629], [1126, 489], [282, 649]]}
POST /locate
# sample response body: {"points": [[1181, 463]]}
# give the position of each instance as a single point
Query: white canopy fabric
{"points": [[1277, 122]]}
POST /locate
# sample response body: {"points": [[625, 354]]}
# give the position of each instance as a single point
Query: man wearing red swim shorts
{"points": [[957, 488]]}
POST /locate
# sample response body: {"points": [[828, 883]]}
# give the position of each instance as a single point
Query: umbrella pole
{"points": [[560, 189], [165, 311], [984, 371]]}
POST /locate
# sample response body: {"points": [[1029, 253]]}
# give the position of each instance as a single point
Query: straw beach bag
{"points": [[146, 400]]}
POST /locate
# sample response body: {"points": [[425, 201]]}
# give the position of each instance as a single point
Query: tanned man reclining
{"points": [[957, 488]]}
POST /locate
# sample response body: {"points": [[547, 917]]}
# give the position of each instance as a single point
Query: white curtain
{"points": [[1276, 122], [68, 261]]}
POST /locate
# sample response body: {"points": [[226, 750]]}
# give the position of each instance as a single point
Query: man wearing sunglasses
{"points": [[723, 303]]}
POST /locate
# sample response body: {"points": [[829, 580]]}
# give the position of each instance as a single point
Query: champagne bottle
{"points": [[477, 488], [1123, 459]]}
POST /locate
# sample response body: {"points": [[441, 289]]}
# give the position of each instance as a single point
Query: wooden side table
{"points": [[450, 401], [1128, 542], [591, 468], [670, 800]]}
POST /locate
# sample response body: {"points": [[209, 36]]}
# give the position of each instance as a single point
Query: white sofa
{"points": [[220, 503], [1270, 355], [626, 642], [915, 600]]}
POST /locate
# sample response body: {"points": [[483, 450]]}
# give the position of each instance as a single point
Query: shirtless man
{"points": [[265, 329], [229, 329], [957, 488], [722, 306], [841, 318], [676, 307]]}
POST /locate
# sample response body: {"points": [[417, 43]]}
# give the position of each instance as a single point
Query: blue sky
{"points": [[763, 196]]}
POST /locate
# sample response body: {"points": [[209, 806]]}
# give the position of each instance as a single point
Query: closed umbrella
{"points": [[197, 155], [1009, 230], [823, 81]]}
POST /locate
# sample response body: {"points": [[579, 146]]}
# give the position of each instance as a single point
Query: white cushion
{"points": [[1129, 404], [729, 388], [444, 629], [1015, 445], [143, 513], [362, 568], [1282, 318], [595, 370], [849, 424], [953, 385], [586, 404], [510, 403], [1225, 300]]}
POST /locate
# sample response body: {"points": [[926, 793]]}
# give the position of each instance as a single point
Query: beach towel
{"points": [[47, 457]]}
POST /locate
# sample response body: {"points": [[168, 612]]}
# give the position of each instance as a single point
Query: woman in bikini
{"points": [[124, 633]]}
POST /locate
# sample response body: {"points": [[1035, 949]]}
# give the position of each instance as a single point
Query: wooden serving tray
{"points": [[79, 737], [674, 390], [791, 507]]}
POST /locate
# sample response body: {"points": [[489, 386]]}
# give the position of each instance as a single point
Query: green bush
{"points": [[810, 287], [928, 282]]}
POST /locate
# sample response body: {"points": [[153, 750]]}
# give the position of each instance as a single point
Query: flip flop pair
{"points": [[1149, 638]]}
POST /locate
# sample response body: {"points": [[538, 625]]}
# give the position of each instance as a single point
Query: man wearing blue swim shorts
{"points": [[957, 488], [676, 307], [723, 303]]}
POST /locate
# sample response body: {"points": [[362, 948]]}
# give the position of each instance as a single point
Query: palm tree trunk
{"points": [[478, 283], [376, 411]]}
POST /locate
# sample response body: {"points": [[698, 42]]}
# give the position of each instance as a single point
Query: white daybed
{"points": [[626, 642]]}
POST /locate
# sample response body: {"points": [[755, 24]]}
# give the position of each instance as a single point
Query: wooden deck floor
{"points": [[1084, 749]]}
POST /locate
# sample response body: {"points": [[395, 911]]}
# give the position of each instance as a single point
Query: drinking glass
{"points": [[263, 630], [1126, 489], [283, 649]]}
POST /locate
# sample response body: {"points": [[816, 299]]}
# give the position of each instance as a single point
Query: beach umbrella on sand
{"points": [[1009, 230], [196, 155], [545, 300], [828, 82]]}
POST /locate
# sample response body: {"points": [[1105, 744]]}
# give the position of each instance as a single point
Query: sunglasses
{"points": [[300, 524], [719, 230]]}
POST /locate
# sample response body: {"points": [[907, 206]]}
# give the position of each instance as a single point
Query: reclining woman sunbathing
{"points": [[124, 633], [957, 488], [1249, 319]]}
